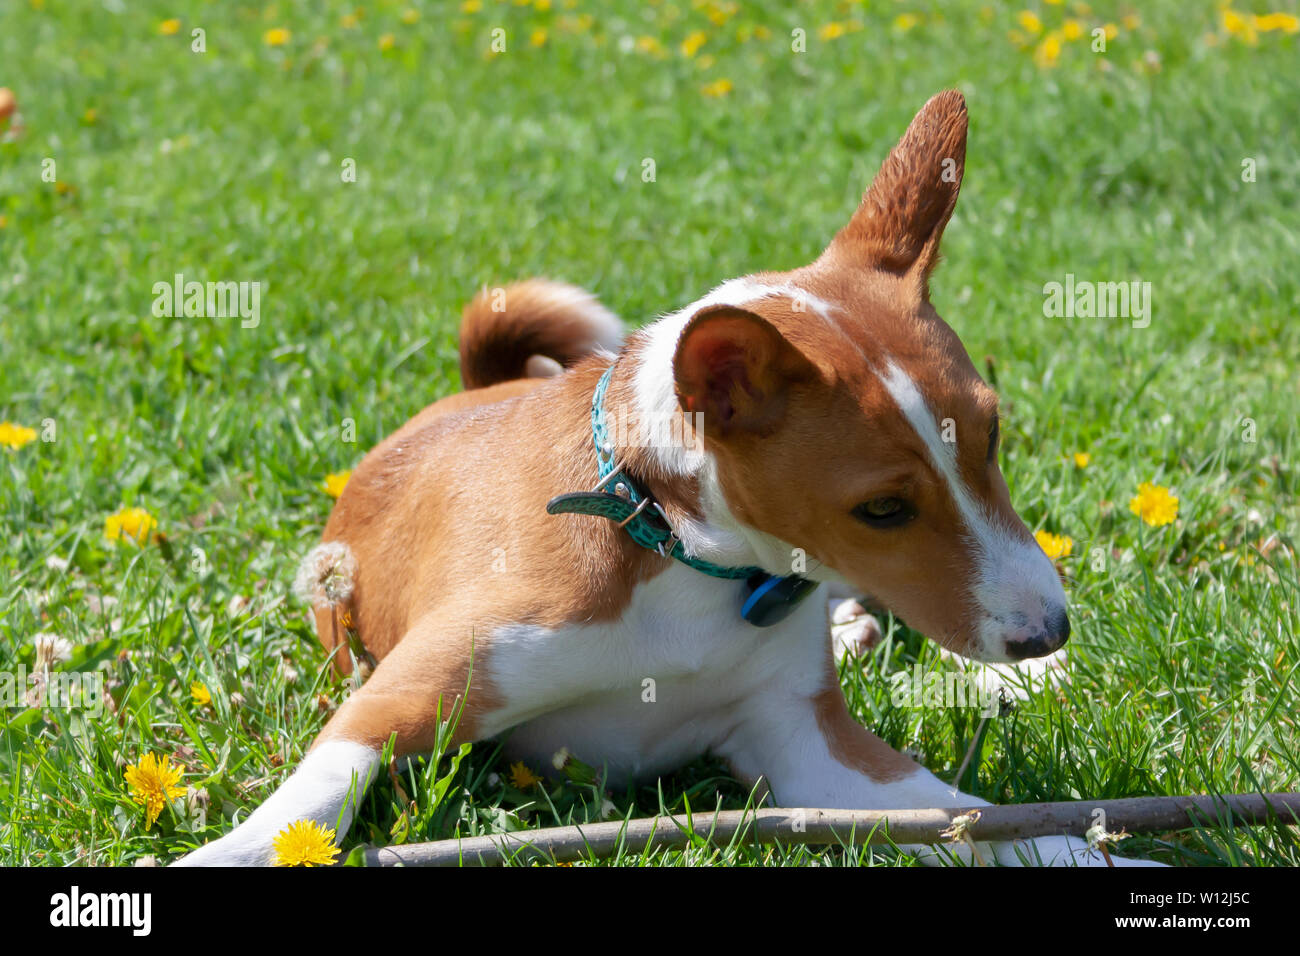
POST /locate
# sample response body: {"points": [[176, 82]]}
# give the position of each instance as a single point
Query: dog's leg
{"points": [[812, 753], [401, 696], [326, 788]]}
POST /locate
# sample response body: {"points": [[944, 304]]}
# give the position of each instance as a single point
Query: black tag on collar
{"points": [[770, 600]]}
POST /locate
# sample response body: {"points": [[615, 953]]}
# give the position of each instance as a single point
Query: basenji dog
{"points": [[597, 515]]}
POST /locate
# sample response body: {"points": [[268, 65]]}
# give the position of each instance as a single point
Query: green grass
{"points": [[471, 169]]}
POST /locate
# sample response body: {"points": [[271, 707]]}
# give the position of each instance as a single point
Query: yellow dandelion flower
{"points": [[276, 36], [1030, 22], [153, 784], [410, 15], [537, 37], [906, 21], [471, 6], [1234, 22], [1111, 31], [90, 117], [1049, 51], [199, 694], [349, 21], [1081, 459], [170, 27], [1154, 505], [762, 33], [133, 523], [305, 843], [1055, 546], [1285, 22], [541, 6], [717, 89], [651, 45], [691, 45], [1071, 29], [336, 482], [832, 31], [1131, 22], [522, 777], [15, 436], [387, 42]]}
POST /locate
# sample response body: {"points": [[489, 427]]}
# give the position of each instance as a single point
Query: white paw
{"points": [[249, 844], [323, 789], [1042, 851], [854, 632], [1018, 681], [1056, 851]]}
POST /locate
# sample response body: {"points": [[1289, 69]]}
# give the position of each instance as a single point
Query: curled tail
{"points": [[531, 329]]}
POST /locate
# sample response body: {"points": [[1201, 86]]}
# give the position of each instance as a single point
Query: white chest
{"points": [[661, 685]]}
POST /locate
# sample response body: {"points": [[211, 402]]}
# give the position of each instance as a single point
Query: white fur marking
{"points": [[720, 537], [325, 788], [1018, 587]]}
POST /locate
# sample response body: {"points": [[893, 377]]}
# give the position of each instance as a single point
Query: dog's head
{"points": [[846, 419]]}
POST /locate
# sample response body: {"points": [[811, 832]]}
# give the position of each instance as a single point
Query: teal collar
{"points": [[619, 498], [768, 599]]}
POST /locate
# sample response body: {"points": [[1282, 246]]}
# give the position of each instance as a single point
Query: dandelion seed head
{"points": [[51, 649], [327, 575]]}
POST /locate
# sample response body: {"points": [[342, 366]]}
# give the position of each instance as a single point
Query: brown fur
{"points": [[447, 521], [501, 329]]}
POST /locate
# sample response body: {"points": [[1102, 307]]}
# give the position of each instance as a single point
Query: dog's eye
{"points": [[884, 512], [993, 440]]}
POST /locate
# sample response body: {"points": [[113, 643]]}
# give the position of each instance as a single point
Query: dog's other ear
{"points": [[900, 221], [733, 367]]}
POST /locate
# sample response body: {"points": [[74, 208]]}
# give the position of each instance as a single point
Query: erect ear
{"points": [[900, 221], [734, 367]]}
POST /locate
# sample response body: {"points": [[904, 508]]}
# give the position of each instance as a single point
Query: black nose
{"points": [[1052, 638], [1060, 629]]}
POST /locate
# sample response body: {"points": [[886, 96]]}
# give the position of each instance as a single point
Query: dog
{"points": [[596, 516]]}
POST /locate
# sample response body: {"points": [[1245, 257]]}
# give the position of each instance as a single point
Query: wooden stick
{"points": [[831, 827]]}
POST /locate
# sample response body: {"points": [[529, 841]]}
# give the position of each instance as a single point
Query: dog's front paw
{"points": [[1042, 851], [242, 846], [854, 631], [1056, 851]]}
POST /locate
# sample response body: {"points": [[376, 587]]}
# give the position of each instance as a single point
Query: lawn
{"points": [[373, 167]]}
